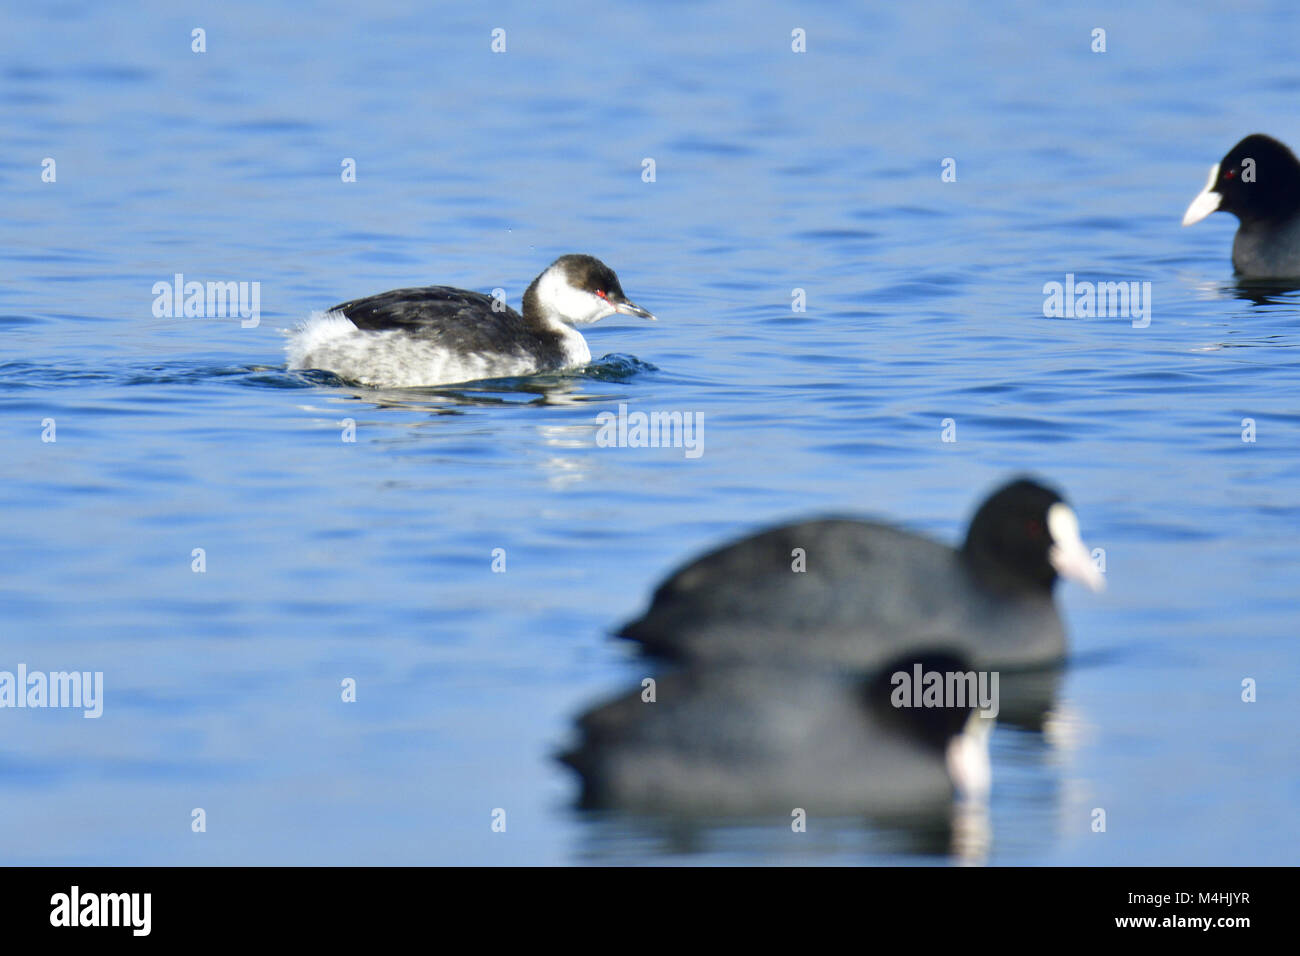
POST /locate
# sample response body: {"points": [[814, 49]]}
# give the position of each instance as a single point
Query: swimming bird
{"points": [[438, 335], [749, 739], [1258, 181], [855, 593]]}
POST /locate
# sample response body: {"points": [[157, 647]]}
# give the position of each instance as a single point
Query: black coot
{"points": [[869, 592], [1258, 181], [745, 739]]}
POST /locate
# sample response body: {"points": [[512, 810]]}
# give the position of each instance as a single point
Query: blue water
{"points": [[775, 171]]}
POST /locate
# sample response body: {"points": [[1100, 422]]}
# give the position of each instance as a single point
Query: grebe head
{"points": [[577, 290]]}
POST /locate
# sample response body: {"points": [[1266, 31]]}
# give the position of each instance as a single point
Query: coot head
{"points": [[1024, 537], [1257, 181]]}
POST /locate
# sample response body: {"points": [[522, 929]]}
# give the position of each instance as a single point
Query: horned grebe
{"points": [[438, 335]]}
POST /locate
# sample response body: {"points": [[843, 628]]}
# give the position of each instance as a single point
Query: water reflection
{"points": [[1261, 292], [569, 387]]}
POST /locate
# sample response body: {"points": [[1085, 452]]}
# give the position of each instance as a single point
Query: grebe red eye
{"points": [[601, 293]]}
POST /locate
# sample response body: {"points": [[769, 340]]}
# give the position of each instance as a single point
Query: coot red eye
{"points": [[1034, 527], [1230, 174]]}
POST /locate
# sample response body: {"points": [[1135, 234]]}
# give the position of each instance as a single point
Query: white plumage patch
{"points": [[397, 359], [564, 305], [318, 332]]}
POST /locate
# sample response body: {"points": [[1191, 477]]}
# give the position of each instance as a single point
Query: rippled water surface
{"points": [[774, 172]]}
